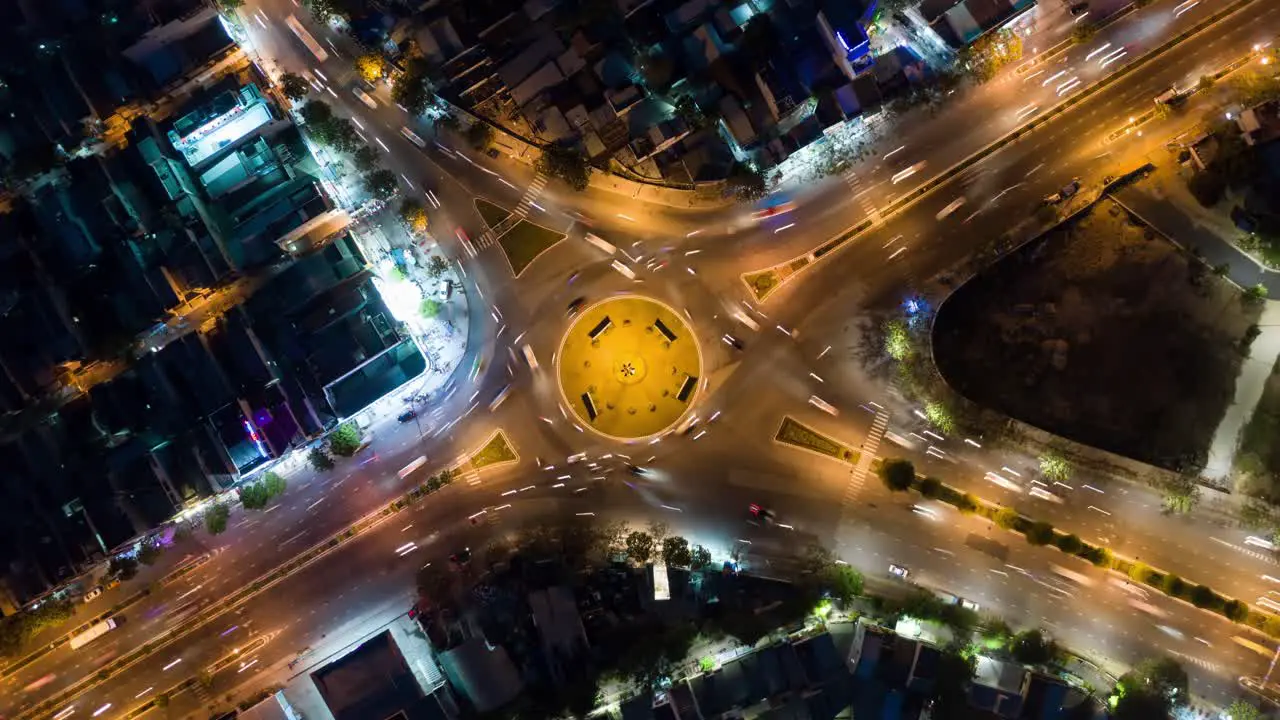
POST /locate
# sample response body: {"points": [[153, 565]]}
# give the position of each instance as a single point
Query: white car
{"points": [[93, 594], [969, 605], [898, 571], [412, 137], [823, 405], [365, 98], [529, 357]]}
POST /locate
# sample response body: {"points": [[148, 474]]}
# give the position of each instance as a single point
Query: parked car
{"points": [[407, 415], [93, 594], [898, 571]]}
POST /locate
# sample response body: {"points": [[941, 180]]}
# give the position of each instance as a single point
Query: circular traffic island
{"points": [[629, 367]]}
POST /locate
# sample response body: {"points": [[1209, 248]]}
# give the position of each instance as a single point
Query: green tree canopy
{"points": [[381, 184], [639, 547], [566, 164], [345, 440], [897, 474], [295, 87]]}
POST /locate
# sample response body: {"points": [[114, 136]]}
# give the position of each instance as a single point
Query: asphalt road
{"points": [[704, 488]]}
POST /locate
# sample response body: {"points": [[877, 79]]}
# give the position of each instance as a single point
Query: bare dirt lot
{"points": [[1102, 332]]}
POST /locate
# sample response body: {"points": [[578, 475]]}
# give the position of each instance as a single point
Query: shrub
{"points": [[967, 503], [931, 487], [345, 440], [1008, 518], [1235, 610], [1173, 585], [1040, 533], [1070, 544], [897, 474]]}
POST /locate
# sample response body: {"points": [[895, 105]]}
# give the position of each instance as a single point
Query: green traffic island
{"points": [[763, 283], [797, 434], [496, 451], [893, 472], [523, 242]]}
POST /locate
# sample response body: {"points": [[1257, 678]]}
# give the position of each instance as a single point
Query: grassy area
{"points": [[525, 242], [1102, 332], [497, 451], [490, 213], [1257, 461], [761, 283], [793, 432]]}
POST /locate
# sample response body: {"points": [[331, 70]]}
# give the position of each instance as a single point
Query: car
{"points": [[365, 98], [574, 306], [764, 513], [500, 397], [1079, 9], [774, 211], [93, 594], [969, 605], [898, 571], [951, 207], [461, 558], [412, 137], [636, 470], [529, 357], [732, 342], [407, 415]]}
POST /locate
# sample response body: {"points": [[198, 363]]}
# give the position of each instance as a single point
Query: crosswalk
{"points": [[858, 477], [861, 194], [530, 198]]}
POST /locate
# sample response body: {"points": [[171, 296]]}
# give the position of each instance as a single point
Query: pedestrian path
{"points": [[861, 194], [521, 211], [858, 476]]}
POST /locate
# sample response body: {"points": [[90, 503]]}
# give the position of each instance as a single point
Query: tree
{"points": [[746, 183], [161, 700], [436, 266], [1040, 533], [991, 53], [215, 519], [229, 6], [414, 216], [639, 547], [372, 67], [897, 474], [429, 308], [149, 552], [122, 568], [675, 551], [319, 459], [1202, 596], [930, 487], [1173, 585], [951, 685], [410, 88], [381, 184], [686, 108], [340, 134], [1032, 647], [480, 134], [699, 558], [1070, 544], [1008, 518], [568, 164], [294, 87], [1241, 710], [365, 159], [316, 112], [1180, 494], [345, 440], [1205, 82], [1162, 676], [845, 583], [1235, 611], [1055, 467], [1255, 293], [1083, 33]]}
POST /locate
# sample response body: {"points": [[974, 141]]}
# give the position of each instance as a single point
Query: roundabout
{"points": [[629, 367]]}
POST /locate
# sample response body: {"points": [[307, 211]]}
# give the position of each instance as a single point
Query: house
{"points": [[1260, 124], [998, 687], [960, 22], [482, 674]]}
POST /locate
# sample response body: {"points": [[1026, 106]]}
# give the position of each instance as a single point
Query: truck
{"points": [[1065, 192], [1171, 96], [94, 632]]}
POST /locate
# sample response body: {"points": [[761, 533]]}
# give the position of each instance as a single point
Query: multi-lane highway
{"points": [[702, 486]]}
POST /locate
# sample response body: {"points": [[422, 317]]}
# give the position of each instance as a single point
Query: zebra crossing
{"points": [[861, 194], [530, 198], [858, 477]]}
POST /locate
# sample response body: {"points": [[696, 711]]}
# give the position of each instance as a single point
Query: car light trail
{"points": [[1053, 77], [1094, 52], [175, 662]]}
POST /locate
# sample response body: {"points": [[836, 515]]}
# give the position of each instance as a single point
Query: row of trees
{"points": [[257, 495], [339, 134]]}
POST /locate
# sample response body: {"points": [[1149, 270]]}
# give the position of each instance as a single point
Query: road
{"points": [[733, 464]]}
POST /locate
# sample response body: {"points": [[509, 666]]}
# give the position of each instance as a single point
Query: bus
{"points": [[306, 38], [94, 632]]}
